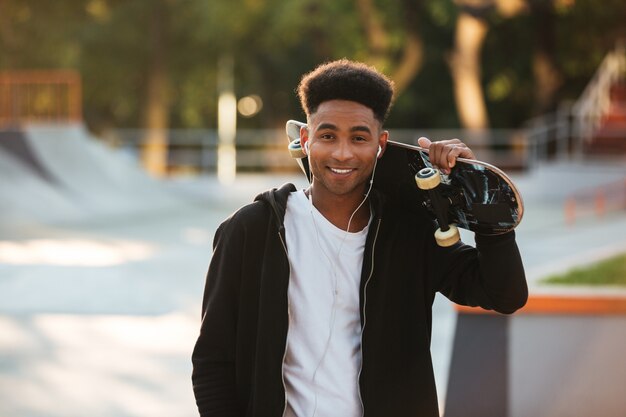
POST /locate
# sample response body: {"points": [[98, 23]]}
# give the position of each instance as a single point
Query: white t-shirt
{"points": [[323, 357]]}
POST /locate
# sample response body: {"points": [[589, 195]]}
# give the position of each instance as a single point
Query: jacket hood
{"points": [[276, 198]]}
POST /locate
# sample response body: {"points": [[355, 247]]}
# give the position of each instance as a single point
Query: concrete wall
{"points": [[558, 357], [567, 365]]}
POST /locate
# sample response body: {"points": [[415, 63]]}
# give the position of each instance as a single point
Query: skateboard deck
{"points": [[476, 196]]}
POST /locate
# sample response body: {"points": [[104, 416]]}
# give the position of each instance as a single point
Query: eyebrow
{"points": [[360, 129], [331, 126]]}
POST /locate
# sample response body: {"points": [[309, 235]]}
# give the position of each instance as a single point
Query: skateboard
{"points": [[476, 196]]}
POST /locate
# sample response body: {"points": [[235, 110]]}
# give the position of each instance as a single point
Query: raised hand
{"points": [[443, 154]]}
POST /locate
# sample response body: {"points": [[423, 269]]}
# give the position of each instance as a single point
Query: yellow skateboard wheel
{"points": [[427, 178], [449, 237]]}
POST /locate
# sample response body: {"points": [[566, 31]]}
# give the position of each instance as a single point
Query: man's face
{"points": [[343, 141]]}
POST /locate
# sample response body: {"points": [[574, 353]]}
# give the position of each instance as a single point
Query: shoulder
{"points": [[267, 207], [244, 225], [246, 217]]}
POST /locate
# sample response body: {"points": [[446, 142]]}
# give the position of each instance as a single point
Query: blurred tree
{"points": [[403, 60], [465, 62], [35, 34], [153, 63], [585, 31], [157, 101], [473, 23], [547, 75]]}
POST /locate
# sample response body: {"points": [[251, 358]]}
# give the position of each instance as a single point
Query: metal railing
{"points": [[195, 150], [595, 101], [553, 136], [40, 96]]}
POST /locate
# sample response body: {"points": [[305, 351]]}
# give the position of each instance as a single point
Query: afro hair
{"points": [[346, 80]]}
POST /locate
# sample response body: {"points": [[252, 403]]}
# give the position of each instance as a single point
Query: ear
{"points": [[304, 139], [382, 142]]}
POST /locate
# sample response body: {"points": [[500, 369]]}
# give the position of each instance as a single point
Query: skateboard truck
{"points": [[293, 133], [295, 149], [428, 179]]}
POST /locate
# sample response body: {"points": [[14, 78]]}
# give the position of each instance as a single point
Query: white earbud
{"points": [[306, 147], [380, 150]]}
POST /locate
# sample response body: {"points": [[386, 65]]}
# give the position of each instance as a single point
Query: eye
{"points": [[326, 136], [360, 139]]}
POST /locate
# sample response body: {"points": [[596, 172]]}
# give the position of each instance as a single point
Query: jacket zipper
{"points": [[358, 381], [288, 321]]}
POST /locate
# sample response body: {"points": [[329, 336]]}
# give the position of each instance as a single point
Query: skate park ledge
{"points": [[564, 304], [560, 355]]}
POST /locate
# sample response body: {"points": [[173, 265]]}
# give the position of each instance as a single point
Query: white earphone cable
{"points": [[333, 315]]}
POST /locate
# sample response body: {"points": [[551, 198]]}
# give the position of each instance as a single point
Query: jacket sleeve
{"points": [[490, 276], [213, 356]]}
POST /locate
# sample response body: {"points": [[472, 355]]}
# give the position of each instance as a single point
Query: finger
{"points": [[424, 142], [454, 153], [444, 154], [458, 151], [444, 148], [466, 152], [442, 158], [434, 152], [463, 149], [447, 153], [438, 150]]}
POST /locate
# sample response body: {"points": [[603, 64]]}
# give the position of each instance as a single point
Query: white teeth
{"points": [[340, 171]]}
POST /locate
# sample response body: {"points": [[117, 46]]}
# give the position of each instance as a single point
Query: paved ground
{"points": [[98, 317], [549, 243]]}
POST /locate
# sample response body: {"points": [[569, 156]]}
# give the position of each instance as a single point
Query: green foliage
{"points": [[507, 69], [38, 34], [429, 100], [273, 42], [611, 271], [586, 32]]}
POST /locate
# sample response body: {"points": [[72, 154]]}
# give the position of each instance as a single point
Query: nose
{"points": [[343, 151]]}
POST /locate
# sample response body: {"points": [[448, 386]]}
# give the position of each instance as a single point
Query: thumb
{"points": [[424, 142]]}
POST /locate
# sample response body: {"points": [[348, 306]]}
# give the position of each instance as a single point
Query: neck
{"points": [[338, 209]]}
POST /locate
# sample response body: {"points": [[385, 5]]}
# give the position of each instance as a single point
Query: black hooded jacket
{"points": [[238, 357]]}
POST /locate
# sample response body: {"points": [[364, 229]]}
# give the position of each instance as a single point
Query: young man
{"points": [[318, 301]]}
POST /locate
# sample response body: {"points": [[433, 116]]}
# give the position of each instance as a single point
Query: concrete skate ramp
{"points": [[99, 179], [60, 173], [14, 144], [25, 194]]}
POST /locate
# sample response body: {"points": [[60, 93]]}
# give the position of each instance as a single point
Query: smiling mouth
{"points": [[341, 171]]}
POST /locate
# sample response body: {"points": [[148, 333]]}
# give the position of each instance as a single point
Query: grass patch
{"points": [[611, 271]]}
